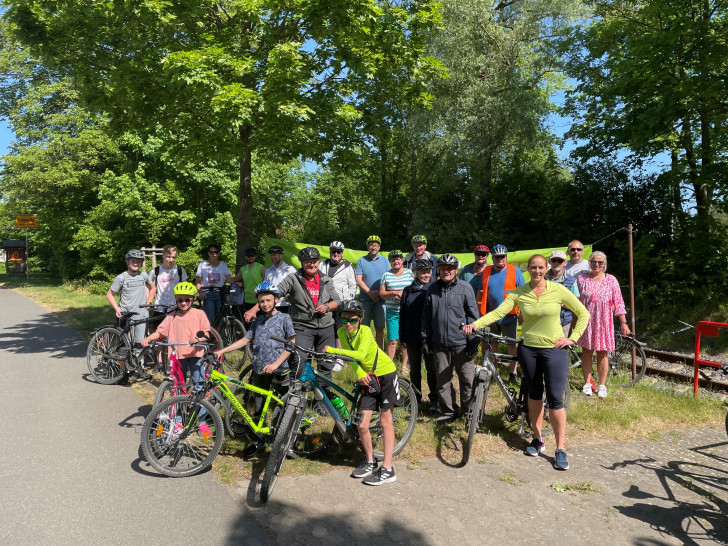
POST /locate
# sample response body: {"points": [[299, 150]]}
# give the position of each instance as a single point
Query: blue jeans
{"points": [[211, 305], [193, 367]]}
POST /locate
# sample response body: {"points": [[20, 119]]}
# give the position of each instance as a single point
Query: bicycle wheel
{"points": [[216, 338], [108, 355], [726, 423], [475, 415], [234, 422], [278, 451], [232, 331], [317, 428], [404, 419], [620, 362], [189, 450], [167, 390]]}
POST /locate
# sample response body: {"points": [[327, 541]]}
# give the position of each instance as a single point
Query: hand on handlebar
{"points": [[469, 329]]}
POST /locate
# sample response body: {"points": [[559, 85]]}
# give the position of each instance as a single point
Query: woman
{"points": [[541, 352], [211, 273], [602, 297]]}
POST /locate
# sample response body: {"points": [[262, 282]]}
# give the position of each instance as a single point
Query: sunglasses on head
{"points": [[350, 320], [184, 300], [576, 250]]}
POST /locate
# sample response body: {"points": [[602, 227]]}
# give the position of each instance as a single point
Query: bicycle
{"points": [[516, 403], [230, 323], [109, 355], [620, 361], [178, 439], [303, 430]]}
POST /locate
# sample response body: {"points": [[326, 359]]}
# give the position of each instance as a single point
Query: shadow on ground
{"points": [[49, 336]]}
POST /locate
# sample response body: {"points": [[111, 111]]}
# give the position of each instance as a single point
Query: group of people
{"points": [[429, 306]]}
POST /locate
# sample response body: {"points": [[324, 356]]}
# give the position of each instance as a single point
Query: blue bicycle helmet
{"points": [[499, 250], [266, 287]]}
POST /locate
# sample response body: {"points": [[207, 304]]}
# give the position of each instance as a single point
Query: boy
{"points": [[378, 378], [181, 326], [165, 277], [132, 286], [270, 359]]}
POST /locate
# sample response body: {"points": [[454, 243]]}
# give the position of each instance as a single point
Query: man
{"points": [[473, 273], [393, 282], [369, 271], [499, 280], [449, 303], [340, 271], [419, 247], [558, 274], [577, 264], [274, 275], [252, 274], [312, 299]]}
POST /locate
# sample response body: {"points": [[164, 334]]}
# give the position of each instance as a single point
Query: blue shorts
{"points": [[373, 310], [392, 325]]}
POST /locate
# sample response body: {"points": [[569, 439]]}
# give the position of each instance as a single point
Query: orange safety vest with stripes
{"points": [[508, 287]]}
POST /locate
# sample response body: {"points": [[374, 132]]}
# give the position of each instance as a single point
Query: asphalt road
{"points": [[71, 470]]}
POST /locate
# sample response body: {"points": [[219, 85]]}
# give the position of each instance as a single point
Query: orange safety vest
{"points": [[510, 286]]}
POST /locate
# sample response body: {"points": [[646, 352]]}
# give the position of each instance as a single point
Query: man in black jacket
{"points": [[410, 321], [449, 303]]}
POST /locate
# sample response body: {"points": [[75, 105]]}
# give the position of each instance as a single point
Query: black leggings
{"points": [[545, 365]]}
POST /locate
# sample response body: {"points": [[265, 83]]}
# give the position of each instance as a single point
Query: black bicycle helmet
{"points": [[134, 253], [447, 259], [423, 263], [308, 253], [275, 248], [250, 251], [351, 306]]}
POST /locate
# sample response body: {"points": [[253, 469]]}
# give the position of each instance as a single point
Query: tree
{"points": [[227, 79], [652, 80]]}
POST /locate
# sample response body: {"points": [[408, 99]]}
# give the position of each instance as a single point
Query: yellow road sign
{"points": [[26, 221]]}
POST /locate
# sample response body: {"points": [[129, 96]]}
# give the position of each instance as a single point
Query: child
{"points": [[378, 378], [181, 326], [270, 359], [133, 287]]}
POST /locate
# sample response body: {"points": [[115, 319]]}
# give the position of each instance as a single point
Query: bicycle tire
{"points": [[217, 338], [167, 390], [726, 423], [475, 415], [108, 355], [404, 419], [186, 454], [232, 331], [316, 431], [278, 452], [234, 422], [620, 362]]}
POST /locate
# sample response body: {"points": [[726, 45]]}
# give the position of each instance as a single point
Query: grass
{"points": [[642, 412], [580, 487]]}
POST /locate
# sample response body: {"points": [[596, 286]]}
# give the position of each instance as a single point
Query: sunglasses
{"points": [[576, 250], [336, 252], [184, 300], [481, 253], [349, 320], [213, 252], [594, 262], [557, 261], [499, 257]]}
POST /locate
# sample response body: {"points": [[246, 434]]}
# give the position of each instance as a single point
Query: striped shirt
{"points": [[396, 282]]}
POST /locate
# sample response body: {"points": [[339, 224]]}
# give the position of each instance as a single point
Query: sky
{"points": [[6, 136]]}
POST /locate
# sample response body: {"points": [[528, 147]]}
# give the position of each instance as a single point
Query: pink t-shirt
{"points": [[178, 328], [313, 286]]}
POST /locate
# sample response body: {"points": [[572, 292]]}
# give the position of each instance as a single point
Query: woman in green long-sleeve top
{"points": [[542, 352]]}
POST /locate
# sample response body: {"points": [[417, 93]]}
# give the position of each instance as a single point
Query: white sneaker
{"points": [[587, 389], [602, 393]]}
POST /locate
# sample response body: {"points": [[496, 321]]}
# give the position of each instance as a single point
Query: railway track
{"points": [[680, 367]]}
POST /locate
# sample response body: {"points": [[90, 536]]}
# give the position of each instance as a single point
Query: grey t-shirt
{"points": [[132, 291], [576, 269]]}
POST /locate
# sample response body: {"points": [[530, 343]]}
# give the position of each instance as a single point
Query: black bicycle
{"points": [[230, 323], [516, 401], [628, 354]]}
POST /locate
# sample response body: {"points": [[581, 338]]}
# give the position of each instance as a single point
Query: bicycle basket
{"points": [[233, 295]]}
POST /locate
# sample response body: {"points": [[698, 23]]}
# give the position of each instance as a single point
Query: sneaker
{"points": [[537, 446], [587, 389], [380, 476], [364, 469], [445, 419], [602, 393], [561, 463], [204, 431], [141, 375], [178, 427], [434, 408], [513, 379]]}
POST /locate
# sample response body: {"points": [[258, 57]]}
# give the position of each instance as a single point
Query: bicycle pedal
{"points": [[356, 418]]}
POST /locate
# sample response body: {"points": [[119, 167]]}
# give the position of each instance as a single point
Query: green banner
{"points": [[517, 257]]}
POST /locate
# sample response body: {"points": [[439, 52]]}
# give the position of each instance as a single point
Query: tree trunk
{"points": [[244, 226], [414, 192]]}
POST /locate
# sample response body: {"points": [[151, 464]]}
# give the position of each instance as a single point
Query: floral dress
{"points": [[603, 300]]}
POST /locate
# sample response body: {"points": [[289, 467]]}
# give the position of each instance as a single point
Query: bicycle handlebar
{"points": [[290, 346], [486, 335]]}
